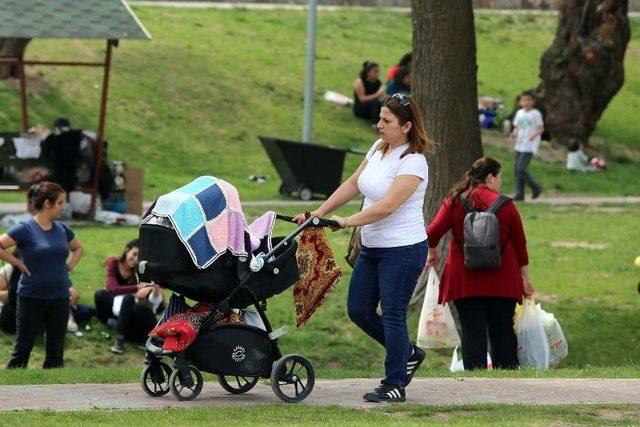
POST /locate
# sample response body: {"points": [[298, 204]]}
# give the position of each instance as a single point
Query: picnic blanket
{"points": [[207, 216]]}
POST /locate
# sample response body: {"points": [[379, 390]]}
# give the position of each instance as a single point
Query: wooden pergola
{"points": [[109, 20]]}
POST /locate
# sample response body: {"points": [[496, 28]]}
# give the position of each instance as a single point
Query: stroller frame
{"points": [[292, 376]]}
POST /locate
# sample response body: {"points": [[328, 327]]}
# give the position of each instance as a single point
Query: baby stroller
{"points": [[240, 354]]}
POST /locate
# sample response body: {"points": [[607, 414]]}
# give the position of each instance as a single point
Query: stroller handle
{"points": [[315, 222]]}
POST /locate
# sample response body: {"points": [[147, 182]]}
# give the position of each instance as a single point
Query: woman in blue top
{"points": [[43, 288]]}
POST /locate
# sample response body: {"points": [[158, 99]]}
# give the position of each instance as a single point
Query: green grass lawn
{"points": [[581, 266], [194, 99], [409, 415]]}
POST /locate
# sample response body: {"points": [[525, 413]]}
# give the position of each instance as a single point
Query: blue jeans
{"points": [[387, 276]]}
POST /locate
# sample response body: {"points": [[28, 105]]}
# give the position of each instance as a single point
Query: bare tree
{"points": [[444, 83], [583, 69]]}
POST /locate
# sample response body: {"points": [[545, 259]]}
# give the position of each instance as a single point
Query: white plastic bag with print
{"points": [[457, 365], [533, 345], [558, 347], [436, 329]]}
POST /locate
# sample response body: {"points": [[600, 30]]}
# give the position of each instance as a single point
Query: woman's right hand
{"points": [[433, 257], [23, 267]]}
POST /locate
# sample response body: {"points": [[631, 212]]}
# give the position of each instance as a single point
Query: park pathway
{"points": [[345, 392]]}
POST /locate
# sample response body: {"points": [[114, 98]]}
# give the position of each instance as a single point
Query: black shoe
{"points": [[414, 362], [536, 193], [386, 393], [518, 198], [118, 345]]}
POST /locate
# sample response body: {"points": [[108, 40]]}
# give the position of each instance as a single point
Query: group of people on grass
{"points": [[396, 247], [369, 92], [36, 292]]}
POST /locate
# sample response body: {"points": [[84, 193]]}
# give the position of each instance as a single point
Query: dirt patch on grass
{"points": [[581, 245], [551, 298], [610, 414], [590, 209], [442, 417], [35, 82]]}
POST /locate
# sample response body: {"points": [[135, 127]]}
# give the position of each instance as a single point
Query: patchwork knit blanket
{"points": [[207, 216], [318, 273]]}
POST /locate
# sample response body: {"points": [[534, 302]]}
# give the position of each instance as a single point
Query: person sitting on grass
{"points": [[9, 277], [367, 91], [126, 304], [401, 84]]}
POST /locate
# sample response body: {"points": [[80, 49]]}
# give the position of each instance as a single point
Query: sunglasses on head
{"points": [[401, 99]]}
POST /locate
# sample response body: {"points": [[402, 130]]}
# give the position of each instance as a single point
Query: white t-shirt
{"points": [[527, 123], [577, 161], [405, 226]]}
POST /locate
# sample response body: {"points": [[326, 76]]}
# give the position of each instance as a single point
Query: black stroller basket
{"points": [[169, 265]]}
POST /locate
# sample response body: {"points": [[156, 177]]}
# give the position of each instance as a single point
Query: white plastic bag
{"points": [[457, 365], [558, 347], [533, 345], [437, 328]]}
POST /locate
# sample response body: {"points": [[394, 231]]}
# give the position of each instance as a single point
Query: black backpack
{"points": [[481, 247]]}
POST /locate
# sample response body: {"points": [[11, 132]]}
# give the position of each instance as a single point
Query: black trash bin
{"points": [[306, 169]]}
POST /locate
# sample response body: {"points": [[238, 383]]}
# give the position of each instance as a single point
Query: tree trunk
{"points": [[583, 68], [444, 83], [11, 48]]}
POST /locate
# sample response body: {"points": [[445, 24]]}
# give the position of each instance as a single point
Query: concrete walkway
{"points": [[346, 392]]}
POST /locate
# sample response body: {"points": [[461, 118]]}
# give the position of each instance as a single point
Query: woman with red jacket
{"points": [[485, 299]]}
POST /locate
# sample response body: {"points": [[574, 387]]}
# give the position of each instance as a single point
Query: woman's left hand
{"points": [[339, 220], [527, 287], [143, 293]]}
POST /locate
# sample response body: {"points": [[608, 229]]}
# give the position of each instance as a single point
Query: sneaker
{"points": [[518, 198], [118, 345], [414, 362], [386, 393], [536, 193]]}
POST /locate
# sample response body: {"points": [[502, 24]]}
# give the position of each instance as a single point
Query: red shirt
{"points": [[115, 283], [459, 282]]}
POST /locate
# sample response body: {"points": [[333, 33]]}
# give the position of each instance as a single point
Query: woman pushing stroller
{"points": [[393, 179]]}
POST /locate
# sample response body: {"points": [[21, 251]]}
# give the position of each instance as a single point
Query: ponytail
{"points": [[480, 170]]}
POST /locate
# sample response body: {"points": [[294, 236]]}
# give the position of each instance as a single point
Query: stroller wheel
{"points": [[292, 378], [236, 384], [155, 381], [184, 388]]}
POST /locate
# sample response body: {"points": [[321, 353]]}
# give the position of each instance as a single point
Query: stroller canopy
{"points": [[207, 216]]}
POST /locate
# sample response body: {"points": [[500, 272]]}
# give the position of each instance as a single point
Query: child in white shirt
{"points": [[529, 126]]}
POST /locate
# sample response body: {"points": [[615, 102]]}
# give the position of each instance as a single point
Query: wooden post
{"points": [[101, 126], [23, 94]]}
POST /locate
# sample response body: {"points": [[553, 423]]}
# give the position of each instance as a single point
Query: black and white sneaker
{"points": [[386, 393], [414, 362]]}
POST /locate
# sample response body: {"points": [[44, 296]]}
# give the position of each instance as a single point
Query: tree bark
{"points": [[444, 84], [11, 48], [583, 69]]}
